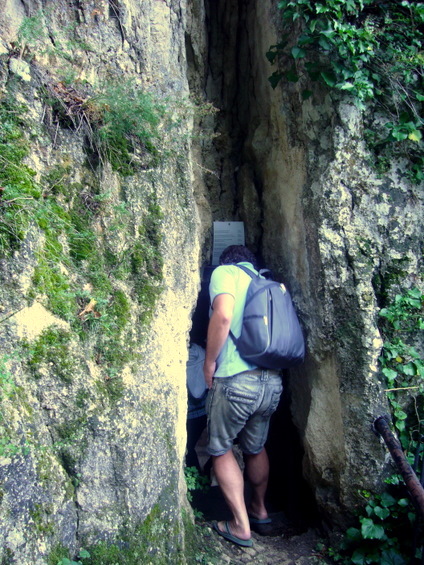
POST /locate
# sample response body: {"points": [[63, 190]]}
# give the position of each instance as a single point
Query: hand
{"points": [[209, 369]]}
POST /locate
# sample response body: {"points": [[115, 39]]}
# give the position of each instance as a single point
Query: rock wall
{"points": [[100, 249]]}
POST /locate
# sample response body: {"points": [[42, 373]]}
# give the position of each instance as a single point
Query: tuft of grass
{"points": [[8, 389], [51, 348], [18, 188], [122, 123], [126, 121], [147, 262]]}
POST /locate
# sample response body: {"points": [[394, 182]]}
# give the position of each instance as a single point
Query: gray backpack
{"points": [[271, 336]]}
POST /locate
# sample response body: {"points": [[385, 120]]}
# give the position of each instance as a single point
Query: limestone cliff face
{"points": [[103, 237], [99, 273]]}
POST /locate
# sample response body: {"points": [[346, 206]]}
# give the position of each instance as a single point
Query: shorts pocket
{"points": [[272, 406], [239, 396], [241, 404]]}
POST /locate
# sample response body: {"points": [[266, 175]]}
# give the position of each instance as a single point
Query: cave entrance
{"points": [[288, 493], [245, 181]]}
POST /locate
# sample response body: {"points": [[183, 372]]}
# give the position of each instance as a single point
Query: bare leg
{"points": [[257, 470], [230, 479]]}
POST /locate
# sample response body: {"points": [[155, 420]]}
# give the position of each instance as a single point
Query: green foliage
{"points": [[385, 532], [11, 442], [7, 390], [7, 384], [100, 315], [402, 364], [368, 49], [103, 323], [147, 262], [18, 189], [126, 121], [51, 281], [60, 556], [123, 124], [66, 561], [200, 546], [195, 481], [82, 239], [65, 213], [35, 37], [51, 348], [121, 121], [71, 429], [31, 32], [57, 553], [41, 516]]}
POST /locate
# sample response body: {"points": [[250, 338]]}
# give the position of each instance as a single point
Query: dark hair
{"points": [[236, 254]]}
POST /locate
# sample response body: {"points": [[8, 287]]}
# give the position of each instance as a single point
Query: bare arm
{"points": [[218, 330]]}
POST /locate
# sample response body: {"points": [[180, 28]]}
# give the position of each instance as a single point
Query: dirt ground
{"points": [[281, 549], [281, 543]]}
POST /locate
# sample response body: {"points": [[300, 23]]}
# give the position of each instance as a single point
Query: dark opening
{"points": [[227, 80], [288, 491]]}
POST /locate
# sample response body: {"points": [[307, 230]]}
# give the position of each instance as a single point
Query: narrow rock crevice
{"points": [[240, 153]]}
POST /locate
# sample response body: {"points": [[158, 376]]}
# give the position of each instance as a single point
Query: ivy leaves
{"points": [[326, 29], [352, 44], [405, 308], [369, 49], [401, 363], [374, 539]]}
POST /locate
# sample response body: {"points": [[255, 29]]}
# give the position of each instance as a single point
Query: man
{"points": [[241, 399]]}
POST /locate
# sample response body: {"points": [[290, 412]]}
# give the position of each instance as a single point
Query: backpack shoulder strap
{"points": [[251, 275], [263, 273], [246, 270]]}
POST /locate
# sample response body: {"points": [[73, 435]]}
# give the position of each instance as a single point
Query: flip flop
{"points": [[253, 520], [230, 537]]}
